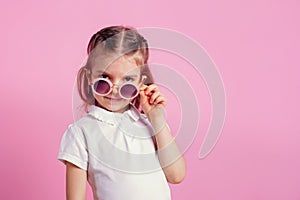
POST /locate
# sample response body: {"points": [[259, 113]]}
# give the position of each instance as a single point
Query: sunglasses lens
{"points": [[128, 91], [102, 87]]}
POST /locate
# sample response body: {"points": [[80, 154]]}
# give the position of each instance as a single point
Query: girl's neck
{"points": [[100, 106]]}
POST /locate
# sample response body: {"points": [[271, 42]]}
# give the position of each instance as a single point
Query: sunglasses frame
{"points": [[119, 87]]}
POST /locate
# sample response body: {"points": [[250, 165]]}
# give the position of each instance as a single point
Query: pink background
{"points": [[255, 45]]}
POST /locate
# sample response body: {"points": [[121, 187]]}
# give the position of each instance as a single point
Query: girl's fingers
{"points": [[143, 87], [154, 96], [158, 98], [161, 100], [150, 89], [143, 97]]}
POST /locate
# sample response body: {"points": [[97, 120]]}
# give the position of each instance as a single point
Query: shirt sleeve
{"points": [[73, 147]]}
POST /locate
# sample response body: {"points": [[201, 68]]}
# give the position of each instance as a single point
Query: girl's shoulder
{"points": [[83, 121], [81, 124]]}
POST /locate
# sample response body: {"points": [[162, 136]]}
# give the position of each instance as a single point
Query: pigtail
{"points": [[84, 89]]}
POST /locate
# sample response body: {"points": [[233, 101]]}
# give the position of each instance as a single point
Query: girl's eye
{"points": [[104, 76], [128, 79]]}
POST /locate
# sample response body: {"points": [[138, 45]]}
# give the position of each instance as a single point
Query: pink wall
{"points": [[255, 45]]}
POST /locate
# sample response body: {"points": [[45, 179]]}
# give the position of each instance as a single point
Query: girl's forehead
{"points": [[116, 65]]}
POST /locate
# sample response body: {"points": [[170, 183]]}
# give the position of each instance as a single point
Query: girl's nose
{"points": [[115, 88]]}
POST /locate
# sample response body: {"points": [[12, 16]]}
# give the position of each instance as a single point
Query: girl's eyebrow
{"points": [[127, 75], [102, 72], [131, 75]]}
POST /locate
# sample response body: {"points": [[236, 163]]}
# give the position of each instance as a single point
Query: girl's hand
{"points": [[153, 103], [152, 100]]}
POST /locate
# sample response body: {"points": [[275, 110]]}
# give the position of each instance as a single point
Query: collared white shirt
{"points": [[118, 152]]}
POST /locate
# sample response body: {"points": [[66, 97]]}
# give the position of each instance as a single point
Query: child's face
{"points": [[121, 70]]}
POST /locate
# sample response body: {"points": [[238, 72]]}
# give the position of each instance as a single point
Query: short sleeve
{"points": [[73, 147]]}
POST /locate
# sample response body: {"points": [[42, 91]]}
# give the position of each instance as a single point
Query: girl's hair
{"points": [[117, 40]]}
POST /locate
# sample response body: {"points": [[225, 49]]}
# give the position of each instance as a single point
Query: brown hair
{"points": [[120, 40]]}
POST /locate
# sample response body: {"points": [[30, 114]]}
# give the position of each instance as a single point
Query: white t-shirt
{"points": [[118, 151]]}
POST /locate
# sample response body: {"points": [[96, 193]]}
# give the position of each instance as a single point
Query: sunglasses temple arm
{"points": [[142, 82]]}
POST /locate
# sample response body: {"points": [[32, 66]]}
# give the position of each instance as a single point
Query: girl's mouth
{"points": [[113, 99]]}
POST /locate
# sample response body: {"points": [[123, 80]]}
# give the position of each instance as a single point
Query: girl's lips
{"points": [[113, 99]]}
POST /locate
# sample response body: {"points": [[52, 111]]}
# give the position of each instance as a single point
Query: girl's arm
{"points": [[76, 182], [170, 157]]}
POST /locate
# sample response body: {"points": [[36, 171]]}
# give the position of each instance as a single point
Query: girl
{"points": [[123, 146]]}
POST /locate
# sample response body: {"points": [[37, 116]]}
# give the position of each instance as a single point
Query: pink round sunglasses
{"points": [[128, 90]]}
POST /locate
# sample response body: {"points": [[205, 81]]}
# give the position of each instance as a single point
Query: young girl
{"points": [[123, 146]]}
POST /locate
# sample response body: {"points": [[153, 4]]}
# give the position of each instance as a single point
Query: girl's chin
{"points": [[114, 105], [116, 109], [113, 100]]}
